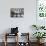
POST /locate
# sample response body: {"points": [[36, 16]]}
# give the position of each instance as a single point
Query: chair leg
{"points": [[5, 43], [17, 39], [5, 40]]}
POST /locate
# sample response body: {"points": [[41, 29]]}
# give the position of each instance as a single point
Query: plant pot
{"points": [[40, 41]]}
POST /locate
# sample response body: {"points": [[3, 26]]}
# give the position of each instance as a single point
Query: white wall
{"points": [[23, 23]]}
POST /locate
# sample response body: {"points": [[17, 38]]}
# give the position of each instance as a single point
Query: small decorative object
{"points": [[14, 30], [22, 44], [17, 12]]}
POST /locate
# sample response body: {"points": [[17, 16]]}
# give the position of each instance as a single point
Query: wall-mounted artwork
{"points": [[41, 8], [41, 12], [17, 12]]}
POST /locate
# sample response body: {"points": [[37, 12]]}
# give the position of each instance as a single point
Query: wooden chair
{"points": [[27, 37], [8, 34]]}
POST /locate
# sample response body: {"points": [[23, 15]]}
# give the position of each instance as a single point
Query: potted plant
{"points": [[38, 27], [35, 26], [39, 35], [42, 27]]}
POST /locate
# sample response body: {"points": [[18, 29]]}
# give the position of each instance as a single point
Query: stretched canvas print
{"points": [[41, 12], [41, 8], [17, 12]]}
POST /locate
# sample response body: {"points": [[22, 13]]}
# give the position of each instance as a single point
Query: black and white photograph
{"points": [[17, 12]]}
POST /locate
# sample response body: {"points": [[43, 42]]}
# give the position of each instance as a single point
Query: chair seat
{"points": [[9, 34]]}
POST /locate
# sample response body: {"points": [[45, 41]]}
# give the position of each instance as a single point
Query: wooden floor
{"points": [[13, 44]]}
